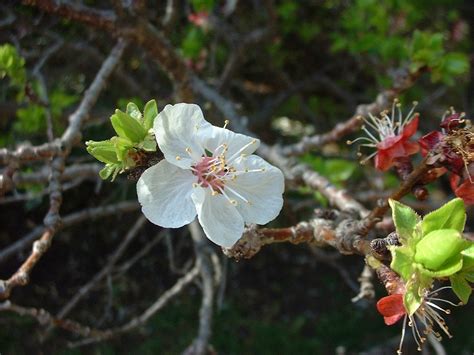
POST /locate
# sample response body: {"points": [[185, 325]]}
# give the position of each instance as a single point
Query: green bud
{"points": [[127, 127], [452, 215], [439, 247]]}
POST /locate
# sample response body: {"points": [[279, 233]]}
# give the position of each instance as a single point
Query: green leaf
{"points": [[149, 143], [469, 276], [468, 258], [456, 63], [461, 287], [127, 127], [134, 112], [405, 219], [109, 170], [439, 247], [150, 112], [103, 151], [122, 148], [452, 215], [402, 261]]}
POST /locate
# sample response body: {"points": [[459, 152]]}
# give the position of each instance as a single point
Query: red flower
{"points": [[393, 147], [464, 190], [391, 308], [390, 136]]}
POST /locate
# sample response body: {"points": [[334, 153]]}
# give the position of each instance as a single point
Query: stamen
{"points": [[236, 154], [226, 122], [399, 351], [178, 157], [237, 194]]}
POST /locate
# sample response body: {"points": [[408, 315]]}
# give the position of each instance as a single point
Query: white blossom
{"points": [[210, 172]]}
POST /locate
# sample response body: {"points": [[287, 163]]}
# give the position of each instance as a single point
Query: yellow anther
{"points": [[226, 122], [178, 157], [214, 193], [188, 150], [233, 202]]}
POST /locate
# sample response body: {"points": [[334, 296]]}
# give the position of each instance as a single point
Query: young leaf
{"points": [[405, 219], [103, 151], [134, 112], [452, 215], [468, 258], [149, 113], [438, 247], [461, 287], [108, 170], [402, 261], [127, 127]]}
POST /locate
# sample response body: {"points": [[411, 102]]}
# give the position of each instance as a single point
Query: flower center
{"points": [[214, 170], [210, 172]]}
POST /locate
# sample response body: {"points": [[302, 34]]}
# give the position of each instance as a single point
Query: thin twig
{"points": [[93, 213], [85, 289]]}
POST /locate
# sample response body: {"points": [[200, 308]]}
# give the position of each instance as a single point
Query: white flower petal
{"points": [[218, 217], [263, 190], [217, 136], [177, 129], [164, 191]]}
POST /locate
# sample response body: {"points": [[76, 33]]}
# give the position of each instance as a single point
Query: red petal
{"points": [[411, 128], [383, 160], [466, 192], [429, 141], [454, 181], [389, 142], [411, 148], [393, 319], [391, 307]]}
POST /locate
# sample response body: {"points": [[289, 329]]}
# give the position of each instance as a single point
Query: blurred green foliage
{"points": [[385, 31], [12, 65]]}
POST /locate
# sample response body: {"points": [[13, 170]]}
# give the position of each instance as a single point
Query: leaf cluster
{"points": [[134, 134], [432, 248]]}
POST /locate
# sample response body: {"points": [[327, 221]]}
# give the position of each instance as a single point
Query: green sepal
{"points": [[405, 220], [134, 112], [439, 247], [127, 127], [461, 287], [103, 151], [452, 215], [412, 299], [402, 261], [149, 113]]}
